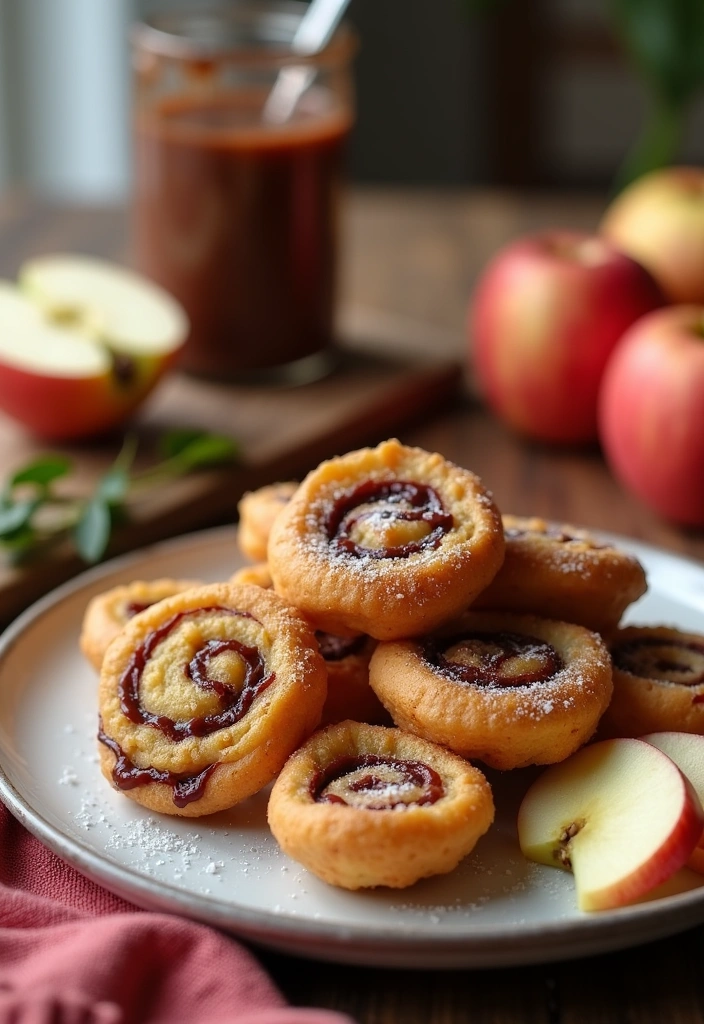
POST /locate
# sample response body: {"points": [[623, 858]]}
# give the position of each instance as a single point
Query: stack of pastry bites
{"points": [[392, 609]]}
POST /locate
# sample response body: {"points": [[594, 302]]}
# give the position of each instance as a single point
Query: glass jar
{"points": [[235, 209]]}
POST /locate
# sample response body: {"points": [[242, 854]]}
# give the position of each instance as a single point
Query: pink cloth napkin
{"points": [[72, 953]]}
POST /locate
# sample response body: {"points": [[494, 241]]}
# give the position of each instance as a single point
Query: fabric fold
{"points": [[73, 953]]}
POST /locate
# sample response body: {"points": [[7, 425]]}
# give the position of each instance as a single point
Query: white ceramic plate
{"points": [[495, 909]]}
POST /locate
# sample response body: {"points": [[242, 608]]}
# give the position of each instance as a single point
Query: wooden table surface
{"points": [[413, 257]]}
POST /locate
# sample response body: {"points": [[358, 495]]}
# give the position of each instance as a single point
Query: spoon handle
{"points": [[315, 31]]}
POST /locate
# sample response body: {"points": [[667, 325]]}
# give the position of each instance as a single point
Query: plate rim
{"points": [[587, 935]]}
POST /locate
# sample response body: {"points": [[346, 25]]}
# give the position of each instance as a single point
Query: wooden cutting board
{"points": [[282, 433]]}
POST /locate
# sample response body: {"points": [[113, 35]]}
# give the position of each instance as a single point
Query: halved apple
{"points": [[619, 814], [82, 342], [686, 749]]}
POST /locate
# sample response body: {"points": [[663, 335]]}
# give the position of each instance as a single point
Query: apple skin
{"points": [[637, 820], [59, 408], [686, 749], [651, 413], [545, 317], [659, 221]]}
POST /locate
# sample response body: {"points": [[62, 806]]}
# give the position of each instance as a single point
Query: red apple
{"points": [[651, 412], [82, 343], [659, 221], [546, 315], [619, 814], [686, 749]]}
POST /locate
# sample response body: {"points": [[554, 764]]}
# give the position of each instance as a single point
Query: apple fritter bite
{"points": [[510, 690], [565, 573], [362, 806], [388, 541]]}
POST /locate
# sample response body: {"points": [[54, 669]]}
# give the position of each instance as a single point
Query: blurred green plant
{"points": [[665, 42], [34, 515]]}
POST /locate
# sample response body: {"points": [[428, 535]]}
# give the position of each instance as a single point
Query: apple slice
{"points": [[82, 343], [686, 749], [618, 813]]}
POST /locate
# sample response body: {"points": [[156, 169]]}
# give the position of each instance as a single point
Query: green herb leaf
{"points": [[127, 453], [173, 442], [113, 487], [15, 516], [90, 521], [206, 450], [195, 448], [92, 531], [42, 471]]}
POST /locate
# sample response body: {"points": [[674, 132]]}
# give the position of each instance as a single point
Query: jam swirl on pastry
{"points": [[388, 541], [362, 805], [126, 775], [658, 682], [665, 659], [107, 613], [347, 662], [510, 690], [373, 512], [376, 782], [204, 695], [236, 700], [337, 648], [494, 659]]}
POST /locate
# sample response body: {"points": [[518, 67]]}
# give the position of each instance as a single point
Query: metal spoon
{"points": [[315, 31]]}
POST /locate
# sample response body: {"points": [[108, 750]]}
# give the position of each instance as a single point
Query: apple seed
{"points": [[562, 854]]}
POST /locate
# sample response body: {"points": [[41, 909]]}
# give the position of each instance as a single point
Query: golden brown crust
{"points": [[257, 574], [257, 511], [385, 597], [247, 751], [107, 613], [657, 697], [562, 572], [354, 846], [349, 694], [506, 726]]}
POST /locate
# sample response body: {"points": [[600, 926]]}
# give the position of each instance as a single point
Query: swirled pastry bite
{"points": [[204, 696], [388, 541], [107, 613], [658, 682], [510, 690], [347, 663], [257, 511], [361, 805], [561, 572], [349, 694]]}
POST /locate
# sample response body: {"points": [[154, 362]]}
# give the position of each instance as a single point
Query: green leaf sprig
{"points": [[33, 515]]}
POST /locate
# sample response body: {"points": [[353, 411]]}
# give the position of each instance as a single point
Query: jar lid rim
{"points": [[165, 34]]}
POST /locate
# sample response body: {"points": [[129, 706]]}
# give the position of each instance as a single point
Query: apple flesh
{"points": [[545, 317], [619, 814], [651, 412], [659, 221], [82, 343], [686, 749]]}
